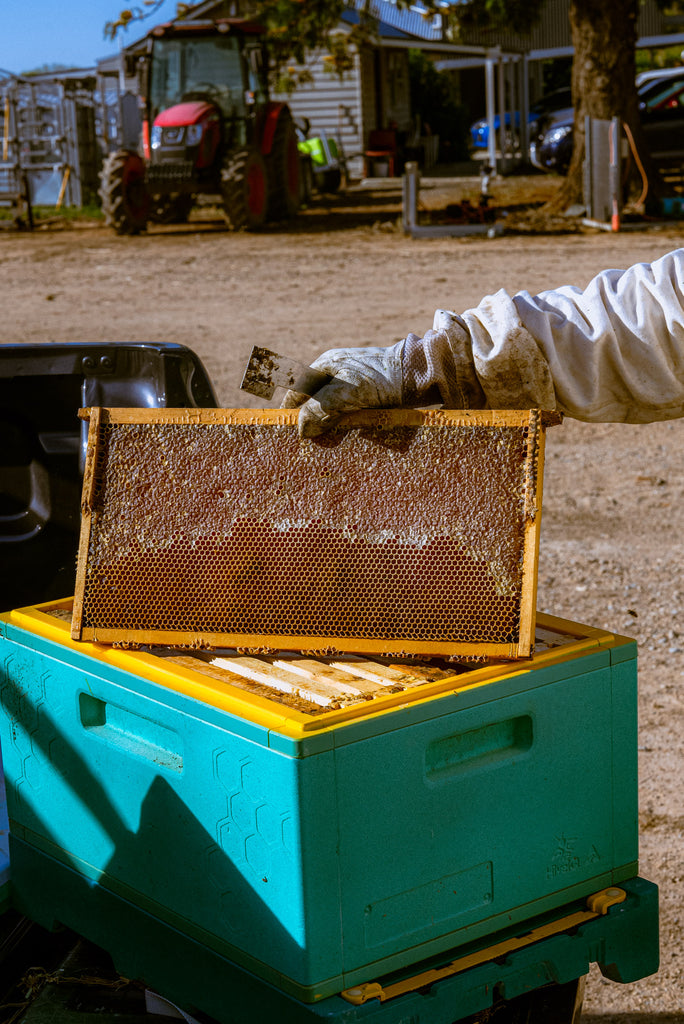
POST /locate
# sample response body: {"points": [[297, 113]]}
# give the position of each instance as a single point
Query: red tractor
{"points": [[208, 129]]}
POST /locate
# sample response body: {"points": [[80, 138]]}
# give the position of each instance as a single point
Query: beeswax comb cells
{"points": [[402, 532]]}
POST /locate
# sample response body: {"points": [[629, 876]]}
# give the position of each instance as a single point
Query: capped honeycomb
{"points": [[404, 532]]}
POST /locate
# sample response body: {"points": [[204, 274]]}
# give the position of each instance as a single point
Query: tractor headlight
{"points": [[193, 134], [156, 136]]}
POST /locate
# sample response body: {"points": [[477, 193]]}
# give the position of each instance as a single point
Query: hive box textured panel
{"points": [[319, 848], [4, 845], [403, 531]]}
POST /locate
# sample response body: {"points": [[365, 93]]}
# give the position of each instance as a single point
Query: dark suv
{"points": [[661, 107]]}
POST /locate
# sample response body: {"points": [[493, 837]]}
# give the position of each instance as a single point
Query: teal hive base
{"points": [[317, 856], [4, 845], [624, 942]]}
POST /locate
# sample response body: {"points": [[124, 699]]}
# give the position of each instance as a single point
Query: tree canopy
{"points": [[293, 27], [519, 15]]}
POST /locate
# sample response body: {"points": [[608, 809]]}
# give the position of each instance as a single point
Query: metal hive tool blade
{"points": [[267, 370], [402, 532]]}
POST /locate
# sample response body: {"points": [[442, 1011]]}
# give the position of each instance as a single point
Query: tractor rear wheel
{"points": [[244, 185], [125, 199], [283, 164]]}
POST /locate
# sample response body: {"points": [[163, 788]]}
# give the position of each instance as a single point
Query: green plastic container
{"points": [[322, 150], [315, 853]]}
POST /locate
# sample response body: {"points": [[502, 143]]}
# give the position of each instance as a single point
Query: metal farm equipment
{"points": [[208, 129], [49, 154]]}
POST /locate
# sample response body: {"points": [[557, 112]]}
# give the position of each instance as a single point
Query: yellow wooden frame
{"points": [[187, 678], [534, 420]]}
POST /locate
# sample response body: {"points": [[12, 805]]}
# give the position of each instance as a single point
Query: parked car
{"points": [[661, 107], [659, 74], [657, 85], [558, 99], [551, 147]]}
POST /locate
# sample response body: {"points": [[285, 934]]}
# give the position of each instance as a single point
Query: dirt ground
{"points": [[613, 524]]}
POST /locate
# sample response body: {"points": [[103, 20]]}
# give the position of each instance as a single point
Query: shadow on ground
{"points": [[379, 209], [632, 1018]]}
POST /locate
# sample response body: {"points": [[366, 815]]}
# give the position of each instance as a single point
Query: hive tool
{"points": [[267, 371]]}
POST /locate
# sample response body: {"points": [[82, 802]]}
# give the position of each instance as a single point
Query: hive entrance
{"points": [[402, 532]]}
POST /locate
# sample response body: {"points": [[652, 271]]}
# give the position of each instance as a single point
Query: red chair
{"points": [[382, 145]]}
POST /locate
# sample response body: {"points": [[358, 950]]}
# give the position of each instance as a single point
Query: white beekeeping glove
{"points": [[365, 378], [435, 369]]}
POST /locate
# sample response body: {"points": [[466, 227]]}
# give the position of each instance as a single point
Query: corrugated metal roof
{"points": [[412, 20], [551, 31], [384, 29]]}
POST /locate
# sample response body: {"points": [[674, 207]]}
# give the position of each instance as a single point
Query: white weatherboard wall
{"points": [[349, 107], [333, 105]]}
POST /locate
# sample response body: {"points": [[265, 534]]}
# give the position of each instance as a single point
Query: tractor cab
{"points": [[209, 129], [203, 90]]}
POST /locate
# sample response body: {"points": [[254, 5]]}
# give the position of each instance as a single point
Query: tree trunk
{"points": [[604, 34]]}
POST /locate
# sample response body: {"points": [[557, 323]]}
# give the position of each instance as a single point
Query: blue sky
{"points": [[38, 32]]}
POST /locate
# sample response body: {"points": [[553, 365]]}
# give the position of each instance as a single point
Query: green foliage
{"points": [[286, 79], [556, 74], [294, 28], [297, 26], [668, 57], [672, 8], [132, 14], [433, 99], [519, 15]]}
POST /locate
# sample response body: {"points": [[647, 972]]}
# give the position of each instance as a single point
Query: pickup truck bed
{"points": [[42, 388]]}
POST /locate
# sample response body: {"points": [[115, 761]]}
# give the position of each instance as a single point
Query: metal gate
{"points": [[50, 139]]}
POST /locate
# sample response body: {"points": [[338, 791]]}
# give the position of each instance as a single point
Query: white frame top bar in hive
{"points": [[257, 502]]}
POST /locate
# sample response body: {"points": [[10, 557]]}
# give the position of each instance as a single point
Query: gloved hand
{"points": [[435, 369], [366, 378]]}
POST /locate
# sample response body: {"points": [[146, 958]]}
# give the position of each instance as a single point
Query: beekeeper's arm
{"points": [[613, 352]]}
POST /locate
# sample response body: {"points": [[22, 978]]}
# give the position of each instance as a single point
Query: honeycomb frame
{"points": [[402, 532]]}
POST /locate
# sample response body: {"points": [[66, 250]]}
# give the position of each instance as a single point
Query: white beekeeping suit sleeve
{"points": [[611, 352]]}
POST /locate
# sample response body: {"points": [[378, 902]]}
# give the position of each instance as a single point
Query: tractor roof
{"points": [[218, 26]]}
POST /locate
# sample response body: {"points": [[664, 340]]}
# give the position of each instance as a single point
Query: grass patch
{"points": [[66, 214]]}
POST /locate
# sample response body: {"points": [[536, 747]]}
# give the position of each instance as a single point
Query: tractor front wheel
{"points": [[244, 186], [125, 199]]}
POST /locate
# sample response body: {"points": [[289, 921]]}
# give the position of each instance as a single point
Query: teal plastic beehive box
{"points": [[321, 853], [4, 844]]}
